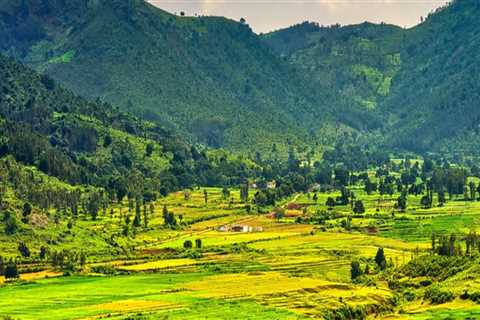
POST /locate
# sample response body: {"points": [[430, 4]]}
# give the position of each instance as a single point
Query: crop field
{"points": [[281, 269]]}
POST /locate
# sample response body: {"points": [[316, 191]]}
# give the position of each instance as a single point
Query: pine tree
{"points": [[358, 207], [355, 270], [11, 270], [380, 259]]}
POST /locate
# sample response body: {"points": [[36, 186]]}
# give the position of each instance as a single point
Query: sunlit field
{"points": [[281, 269]]}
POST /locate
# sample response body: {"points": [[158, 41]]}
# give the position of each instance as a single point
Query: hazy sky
{"points": [[267, 15]]}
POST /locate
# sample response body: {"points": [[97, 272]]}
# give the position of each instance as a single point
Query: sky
{"points": [[269, 15]]}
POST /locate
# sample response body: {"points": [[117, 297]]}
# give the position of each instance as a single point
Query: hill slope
{"points": [[352, 66], [207, 77], [434, 97], [94, 144], [421, 83]]}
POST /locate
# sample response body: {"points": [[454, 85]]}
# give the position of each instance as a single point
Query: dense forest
{"points": [[417, 85], [205, 77]]}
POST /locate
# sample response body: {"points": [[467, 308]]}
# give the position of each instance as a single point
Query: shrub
{"points": [[11, 271], [187, 244], [437, 295], [436, 267]]}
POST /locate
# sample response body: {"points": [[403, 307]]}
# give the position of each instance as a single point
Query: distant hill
{"points": [[207, 77], [434, 101], [351, 66], [421, 84], [94, 144]]}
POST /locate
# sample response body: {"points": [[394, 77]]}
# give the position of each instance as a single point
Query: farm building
{"points": [[239, 228]]}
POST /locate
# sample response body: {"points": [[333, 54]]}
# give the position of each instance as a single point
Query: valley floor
{"points": [[284, 268]]}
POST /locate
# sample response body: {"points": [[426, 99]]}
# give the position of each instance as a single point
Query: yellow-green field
{"points": [[282, 269]]}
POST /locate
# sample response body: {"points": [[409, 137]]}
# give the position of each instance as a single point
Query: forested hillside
{"points": [[357, 62], [210, 78], [434, 97], [420, 84], [46, 129]]}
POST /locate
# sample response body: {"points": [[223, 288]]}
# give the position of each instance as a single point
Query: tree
{"points": [[152, 208], [466, 196], [120, 187], [205, 196], [244, 191], [23, 249], [149, 150], [473, 190], [330, 202], [145, 216], [426, 201], [107, 141], [11, 225], [198, 243], [169, 218], [225, 193], [355, 270], [187, 244], [315, 198], [367, 269], [358, 208], [11, 270], [344, 197], [260, 199], [278, 213], [441, 198], [342, 176], [137, 221], [93, 204], [27, 210], [380, 259], [402, 201], [43, 252], [2, 266]]}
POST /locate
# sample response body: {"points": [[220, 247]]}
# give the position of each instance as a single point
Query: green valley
{"points": [[164, 166]]}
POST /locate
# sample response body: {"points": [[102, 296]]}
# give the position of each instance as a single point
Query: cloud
{"points": [[267, 15]]}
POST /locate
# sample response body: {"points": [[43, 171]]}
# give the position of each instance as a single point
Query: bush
{"points": [[436, 267], [11, 225], [187, 244], [104, 269], [409, 295], [437, 295], [11, 271], [23, 249]]}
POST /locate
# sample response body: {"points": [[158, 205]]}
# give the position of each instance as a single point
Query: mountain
{"points": [[206, 77], [92, 144], [356, 62], [213, 80], [352, 67], [433, 104], [421, 84]]}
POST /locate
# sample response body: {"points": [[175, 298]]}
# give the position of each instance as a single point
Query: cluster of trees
{"points": [[451, 245], [355, 268], [188, 244]]}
